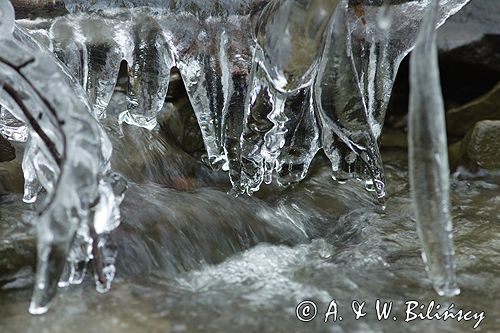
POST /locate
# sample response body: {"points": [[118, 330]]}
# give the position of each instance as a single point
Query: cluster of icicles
{"points": [[271, 83]]}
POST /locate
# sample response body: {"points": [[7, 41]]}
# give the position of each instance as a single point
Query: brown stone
{"points": [[486, 107], [481, 146], [394, 138]]}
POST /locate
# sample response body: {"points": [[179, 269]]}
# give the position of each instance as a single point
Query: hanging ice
{"points": [[428, 157], [68, 155], [266, 104], [343, 109], [270, 82], [363, 51], [280, 128]]}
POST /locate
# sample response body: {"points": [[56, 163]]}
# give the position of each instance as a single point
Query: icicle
{"points": [[382, 35], [67, 154], [289, 37], [200, 69], [32, 186], [362, 55], [301, 139], [259, 106], [6, 19], [428, 158], [105, 45], [235, 59], [92, 48], [149, 71], [69, 47], [342, 110]]}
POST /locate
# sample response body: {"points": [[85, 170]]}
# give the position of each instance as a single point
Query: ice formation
{"points": [[300, 89], [67, 154], [428, 157], [270, 82]]}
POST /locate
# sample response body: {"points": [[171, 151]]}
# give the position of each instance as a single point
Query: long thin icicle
{"points": [[428, 156]]}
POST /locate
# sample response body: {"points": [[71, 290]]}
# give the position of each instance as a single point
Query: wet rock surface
{"points": [[477, 24], [469, 46], [17, 242], [7, 152], [33, 9], [487, 107], [480, 148]]}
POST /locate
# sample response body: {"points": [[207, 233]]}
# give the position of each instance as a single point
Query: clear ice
{"points": [[67, 155], [280, 127], [271, 83], [428, 158]]}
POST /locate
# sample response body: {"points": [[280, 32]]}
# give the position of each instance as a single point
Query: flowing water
{"points": [[195, 259]]}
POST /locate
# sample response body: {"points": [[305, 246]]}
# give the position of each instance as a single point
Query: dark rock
{"points": [[480, 148], [477, 20], [17, 237], [177, 119], [469, 60], [7, 152], [33, 9], [394, 139], [455, 155], [462, 119], [469, 48]]}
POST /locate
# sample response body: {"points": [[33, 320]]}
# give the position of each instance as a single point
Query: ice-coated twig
{"points": [[428, 158], [68, 154]]}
